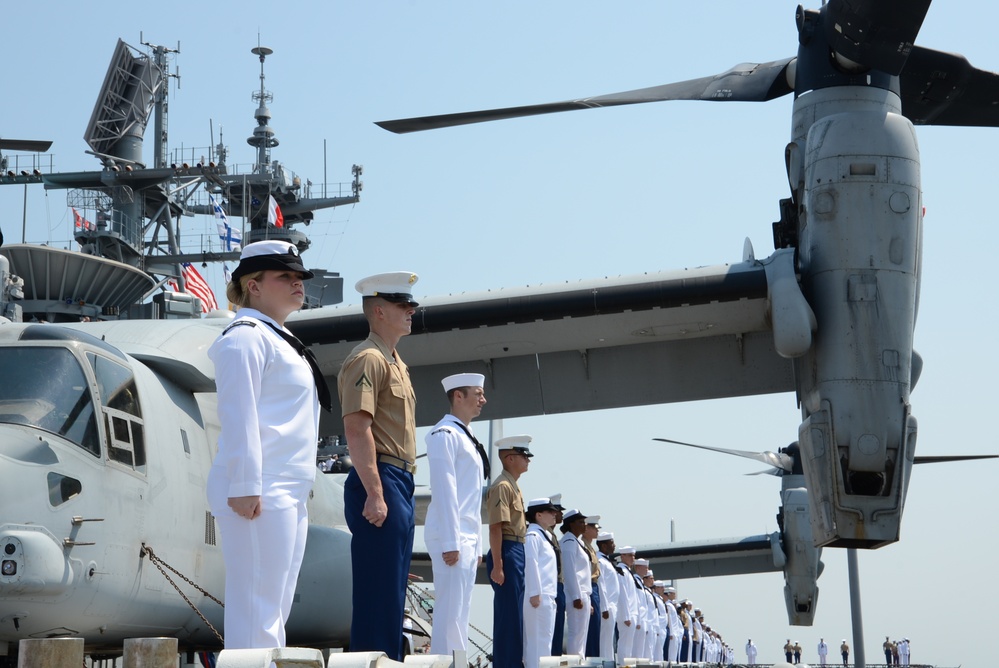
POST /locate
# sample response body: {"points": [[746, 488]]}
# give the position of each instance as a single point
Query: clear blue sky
{"points": [[583, 195]]}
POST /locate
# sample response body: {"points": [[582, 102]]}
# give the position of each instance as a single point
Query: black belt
{"points": [[398, 463], [513, 538]]}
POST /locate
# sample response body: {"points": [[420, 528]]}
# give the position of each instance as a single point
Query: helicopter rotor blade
{"points": [[779, 461], [746, 82]]}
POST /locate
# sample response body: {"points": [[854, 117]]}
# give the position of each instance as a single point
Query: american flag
{"points": [[197, 286]]}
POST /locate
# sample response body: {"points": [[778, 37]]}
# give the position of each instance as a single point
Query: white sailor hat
{"points": [[573, 514], [592, 519], [649, 574], [272, 254], [518, 443], [394, 286], [641, 562], [670, 590], [627, 549], [604, 535], [463, 380], [659, 583], [543, 503]]}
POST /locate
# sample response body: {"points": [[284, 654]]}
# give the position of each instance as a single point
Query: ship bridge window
{"points": [[122, 413], [45, 387]]}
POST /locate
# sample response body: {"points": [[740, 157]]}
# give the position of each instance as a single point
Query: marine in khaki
{"points": [[506, 507], [379, 420], [371, 383], [505, 560]]}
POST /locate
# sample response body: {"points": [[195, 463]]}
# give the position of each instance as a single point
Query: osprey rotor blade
{"points": [[940, 88], [776, 472], [939, 459], [747, 82], [876, 33], [774, 459]]}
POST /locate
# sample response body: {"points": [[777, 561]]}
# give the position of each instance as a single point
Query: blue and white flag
{"points": [[231, 239]]}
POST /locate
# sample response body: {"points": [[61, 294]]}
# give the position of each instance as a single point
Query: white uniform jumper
{"points": [[629, 613], [642, 628], [610, 595], [661, 628], [578, 586], [269, 414], [540, 579], [453, 524], [675, 632]]}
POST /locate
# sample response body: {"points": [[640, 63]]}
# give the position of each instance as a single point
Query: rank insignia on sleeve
{"points": [[363, 383]]}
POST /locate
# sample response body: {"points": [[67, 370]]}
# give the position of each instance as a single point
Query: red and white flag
{"points": [[197, 286], [80, 222], [274, 215]]}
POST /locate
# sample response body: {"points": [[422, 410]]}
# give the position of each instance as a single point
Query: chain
{"points": [[159, 563], [426, 604]]}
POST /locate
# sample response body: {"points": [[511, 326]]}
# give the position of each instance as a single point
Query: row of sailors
{"points": [[606, 601]]}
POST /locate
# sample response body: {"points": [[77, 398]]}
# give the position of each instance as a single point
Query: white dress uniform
{"points": [[661, 628], [676, 632], [823, 653], [269, 413], [651, 623], [578, 585], [751, 653], [627, 612], [540, 579], [696, 631], [641, 627], [453, 524], [610, 597], [646, 616]]}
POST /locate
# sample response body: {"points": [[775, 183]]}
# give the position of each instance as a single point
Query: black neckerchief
{"points": [[617, 566], [551, 541], [323, 390], [478, 446]]}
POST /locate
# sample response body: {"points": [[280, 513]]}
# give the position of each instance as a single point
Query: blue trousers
{"points": [[558, 640], [380, 558], [593, 632], [508, 607], [685, 646]]}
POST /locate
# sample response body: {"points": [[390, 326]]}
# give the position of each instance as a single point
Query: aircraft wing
{"points": [[680, 560], [712, 558], [654, 338]]}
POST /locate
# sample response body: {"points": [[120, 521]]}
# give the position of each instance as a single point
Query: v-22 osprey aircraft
{"points": [[108, 435], [837, 299]]}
